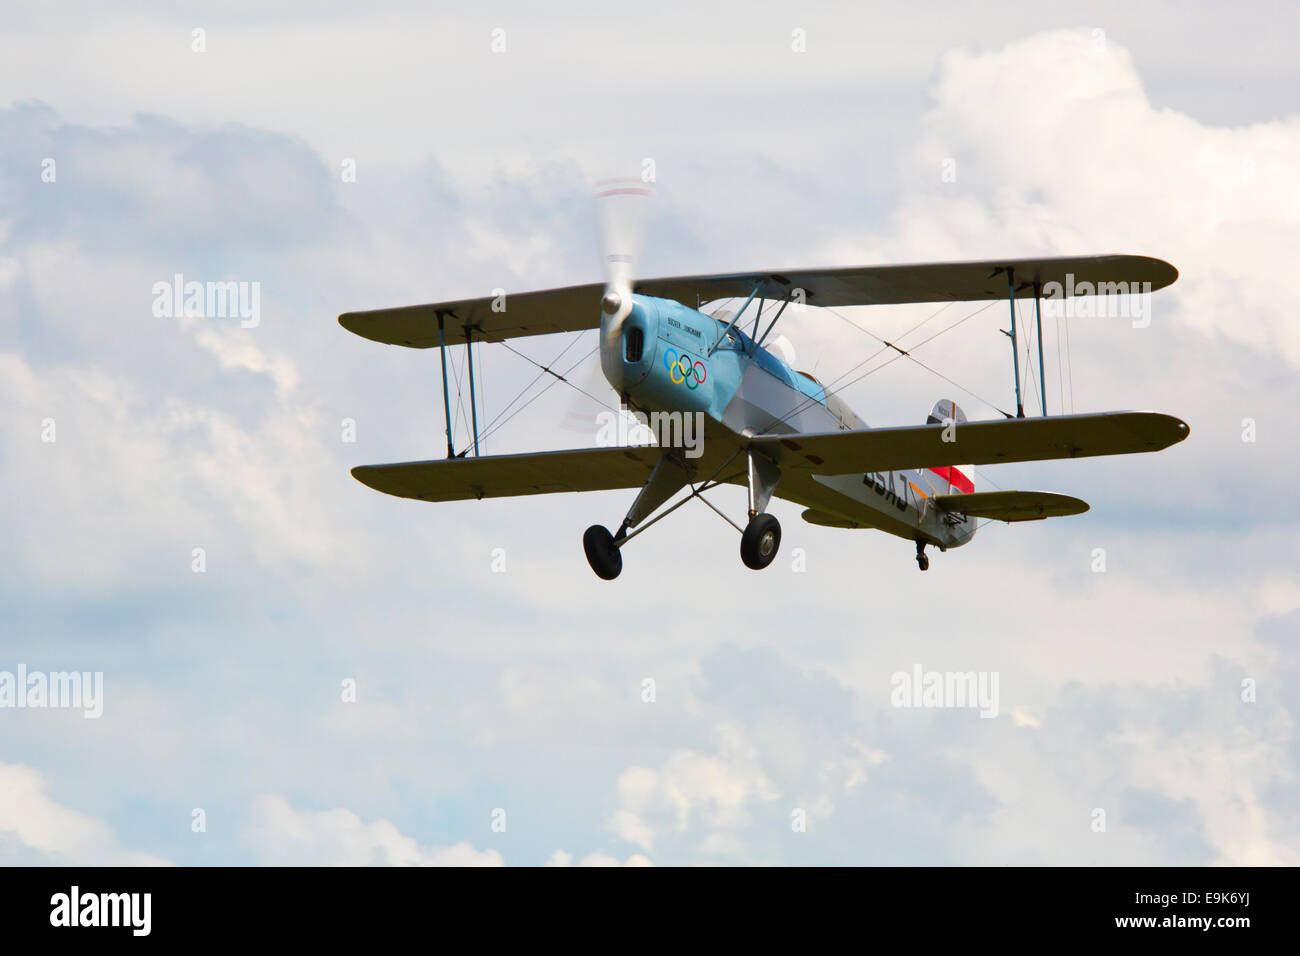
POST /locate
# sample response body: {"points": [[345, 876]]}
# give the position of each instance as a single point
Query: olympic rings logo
{"points": [[682, 369]]}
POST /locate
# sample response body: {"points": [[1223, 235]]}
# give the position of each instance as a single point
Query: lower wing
{"points": [[537, 473], [973, 443], [721, 458]]}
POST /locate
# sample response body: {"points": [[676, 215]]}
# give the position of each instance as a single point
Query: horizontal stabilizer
{"points": [[973, 443], [827, 520], [1012, 505]]}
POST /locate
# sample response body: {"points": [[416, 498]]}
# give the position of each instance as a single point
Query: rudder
{"points": [[960, 478]]}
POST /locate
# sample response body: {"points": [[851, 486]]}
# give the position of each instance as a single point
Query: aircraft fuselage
{"points": [[679, 360]]}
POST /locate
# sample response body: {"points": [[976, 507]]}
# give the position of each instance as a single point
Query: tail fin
{"points": [[960, 478]]}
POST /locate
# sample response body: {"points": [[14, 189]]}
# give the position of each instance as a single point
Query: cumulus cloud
{"points": [[713, 793], [598, 858], [1121, 690], [1024, 788], [284, 836], [36, 830], [1088, 164]]}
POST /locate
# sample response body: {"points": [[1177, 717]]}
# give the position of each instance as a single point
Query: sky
{"points": [[298, 670]]}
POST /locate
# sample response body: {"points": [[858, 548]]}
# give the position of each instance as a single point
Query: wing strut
{"points": [[446, 399], [1015, 350], [473, 405], [736, 318], [1038, 316], [759, 342], [446, 402]]}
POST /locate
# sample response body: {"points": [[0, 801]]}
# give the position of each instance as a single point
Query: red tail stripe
{"points": [[956, 479]]}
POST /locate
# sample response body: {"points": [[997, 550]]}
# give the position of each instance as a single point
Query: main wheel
{"points": [[759, 543], [923, 562], [602, 554]]}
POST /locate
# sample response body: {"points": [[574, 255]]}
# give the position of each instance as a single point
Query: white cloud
{"points": [[37, 830], [284, 836], [233, 352], [711, 796], [175, 434], [1026, 717], [599, 858], [144, 474], [1059, 149]]}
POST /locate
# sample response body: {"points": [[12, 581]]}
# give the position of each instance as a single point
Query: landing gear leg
{"points": [[760, 539], [602, 548], [922, 561], [762, 536]]}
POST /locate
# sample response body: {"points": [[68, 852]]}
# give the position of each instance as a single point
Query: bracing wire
{"points": [[505, 414], [492, 425], [1069, 362], [1060, 376], [482, 392], [908, 355], [557, 377], [458, 416], [830, 390], [1029, 356]]}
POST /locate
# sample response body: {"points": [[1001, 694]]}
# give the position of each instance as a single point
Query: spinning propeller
{"points": [[622, 210]]}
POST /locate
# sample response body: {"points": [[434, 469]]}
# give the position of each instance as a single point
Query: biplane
{"points": [[768, 427]]}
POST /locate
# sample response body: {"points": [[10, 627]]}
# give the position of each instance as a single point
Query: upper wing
{"points": [[576, 308], [974, 443], [926, 282], [1012, 505], [572, 309]]}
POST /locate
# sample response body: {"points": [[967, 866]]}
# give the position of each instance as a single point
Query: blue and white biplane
{"points": [[768, 427]]}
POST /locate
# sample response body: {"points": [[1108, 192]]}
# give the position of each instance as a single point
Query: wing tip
{"points": [[1161, 430], [1178, 430], [1161, 265], [379, 478], [365, 475]]}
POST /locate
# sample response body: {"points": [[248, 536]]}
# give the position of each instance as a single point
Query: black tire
{"points": [[760, 542], [923, 562], [605, 559]]}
